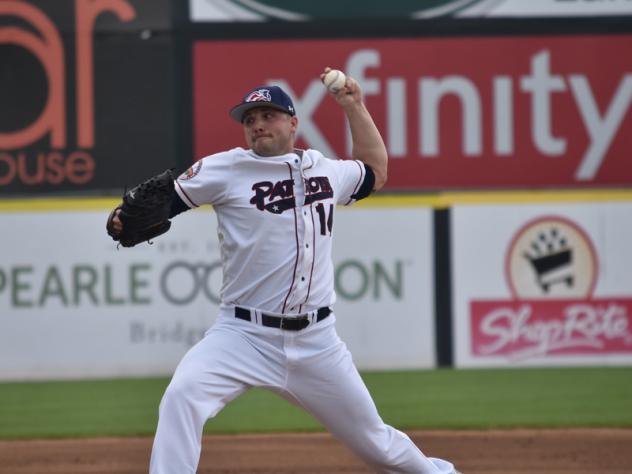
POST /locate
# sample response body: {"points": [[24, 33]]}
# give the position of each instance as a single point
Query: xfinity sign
{"points": [[540, 84], [516, 112]]}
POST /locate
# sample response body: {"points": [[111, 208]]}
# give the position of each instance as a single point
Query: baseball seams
{"points": [[335, 80]]}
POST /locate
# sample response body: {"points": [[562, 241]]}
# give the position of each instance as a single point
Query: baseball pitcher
{"points": [[276, 213]]}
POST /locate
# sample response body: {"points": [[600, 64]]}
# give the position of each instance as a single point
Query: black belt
{"points": [[291, 323]]}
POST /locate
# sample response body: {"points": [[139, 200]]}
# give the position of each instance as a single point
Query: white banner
{"points": [[266, 10], [538, 285], [72, 305]]}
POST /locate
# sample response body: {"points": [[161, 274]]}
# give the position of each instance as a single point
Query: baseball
{"points": [[334, 80]]}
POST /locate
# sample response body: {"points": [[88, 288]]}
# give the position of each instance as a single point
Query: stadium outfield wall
{"points": [[503, 227], [523, 279]]}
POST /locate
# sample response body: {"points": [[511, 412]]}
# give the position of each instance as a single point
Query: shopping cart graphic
{"points": [[551, 259]]}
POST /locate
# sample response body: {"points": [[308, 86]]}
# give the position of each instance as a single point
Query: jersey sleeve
{"points": [[205, 182], [355, 181]]}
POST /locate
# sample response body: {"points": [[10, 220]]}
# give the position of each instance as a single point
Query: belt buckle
{"points": [[301, 321]]}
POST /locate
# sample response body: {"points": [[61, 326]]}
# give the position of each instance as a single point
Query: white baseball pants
{"points": [[311, 368]]}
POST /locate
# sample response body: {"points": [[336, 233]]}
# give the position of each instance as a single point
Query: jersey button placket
{"points": [[302, 274], [299, 292], [307, 252], [307, 245]]}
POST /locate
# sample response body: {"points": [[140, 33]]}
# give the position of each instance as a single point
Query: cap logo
{"points": [[261, 95]]}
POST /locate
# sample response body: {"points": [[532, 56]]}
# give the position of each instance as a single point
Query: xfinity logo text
{"points": [[495, 98]]}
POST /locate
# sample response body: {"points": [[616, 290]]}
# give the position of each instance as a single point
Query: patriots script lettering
{"points": [[279, 196], [318, 188]]}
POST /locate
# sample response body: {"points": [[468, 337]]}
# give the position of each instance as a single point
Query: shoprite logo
{"points": [[551, 258], [552, 270], [31, 29]]}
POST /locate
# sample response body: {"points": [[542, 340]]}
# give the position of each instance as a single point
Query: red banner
{"points": [[454, 112], [525, 329]]}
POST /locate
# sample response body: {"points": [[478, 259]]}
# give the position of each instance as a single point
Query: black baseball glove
{"points": [[144, 211]]}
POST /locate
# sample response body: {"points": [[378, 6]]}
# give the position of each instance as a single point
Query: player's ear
{"points": [[294, 122]]}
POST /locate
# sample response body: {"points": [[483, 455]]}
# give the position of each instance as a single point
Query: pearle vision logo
{"points": [[551, 258]]}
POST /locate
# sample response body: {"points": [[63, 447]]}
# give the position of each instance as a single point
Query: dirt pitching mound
{"points": [[579, 451]]}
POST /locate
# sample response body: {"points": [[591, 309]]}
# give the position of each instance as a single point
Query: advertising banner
{"points": [[85, 92], [266, 10], [80, 307], [542, 284], [544, 8], [501, 112]]}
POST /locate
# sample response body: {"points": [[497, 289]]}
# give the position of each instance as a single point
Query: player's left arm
{"points": [[367, 142]]}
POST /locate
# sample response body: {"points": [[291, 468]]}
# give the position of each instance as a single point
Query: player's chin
{"points": [[262, 148]]}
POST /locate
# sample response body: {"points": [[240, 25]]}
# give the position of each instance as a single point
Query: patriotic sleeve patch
{"points": [[192, 171]]}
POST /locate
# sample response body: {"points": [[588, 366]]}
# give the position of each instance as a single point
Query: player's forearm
{"points": [[367, 142]]}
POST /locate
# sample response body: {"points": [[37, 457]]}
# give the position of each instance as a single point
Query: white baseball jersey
{"points": [[275, 221]]}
